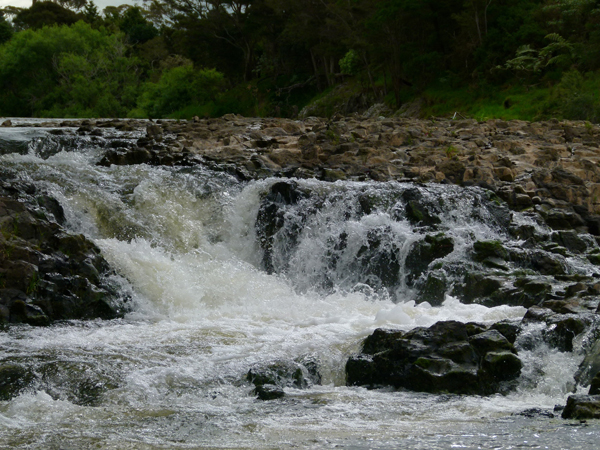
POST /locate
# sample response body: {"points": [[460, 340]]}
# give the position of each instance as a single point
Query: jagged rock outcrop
{"points": [[46, 273], [446, 357]]}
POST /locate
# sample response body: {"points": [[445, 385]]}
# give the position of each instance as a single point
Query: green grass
{"points": [[510, 103], [575, 97]]}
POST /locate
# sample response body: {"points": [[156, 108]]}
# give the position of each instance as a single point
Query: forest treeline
{"points": [[526, 59]]}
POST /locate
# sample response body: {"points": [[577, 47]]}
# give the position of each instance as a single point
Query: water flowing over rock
{"points": [[399, 238], [270, 380]]}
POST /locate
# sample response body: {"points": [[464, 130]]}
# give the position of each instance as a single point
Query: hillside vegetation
{"points": [[510, 59]]}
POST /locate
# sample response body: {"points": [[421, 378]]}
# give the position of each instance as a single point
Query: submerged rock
{"points": [[270, 379], [447, 357], [424, 252], [14, 378]]}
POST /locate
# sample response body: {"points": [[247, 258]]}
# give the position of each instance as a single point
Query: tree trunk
{"points": [[316, 69]]}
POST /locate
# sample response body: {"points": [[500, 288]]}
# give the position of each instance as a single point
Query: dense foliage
{"points": [[173, 58]]}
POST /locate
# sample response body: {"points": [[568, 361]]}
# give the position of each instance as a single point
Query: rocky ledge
{"points": [[551, 166]]}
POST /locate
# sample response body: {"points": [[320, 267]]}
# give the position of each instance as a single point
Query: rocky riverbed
{"points": [[549, 171]]}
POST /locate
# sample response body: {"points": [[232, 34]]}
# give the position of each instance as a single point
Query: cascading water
{"points": [[214, 294]]}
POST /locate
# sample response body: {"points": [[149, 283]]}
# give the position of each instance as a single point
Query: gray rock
{"points": [[582, 407]]}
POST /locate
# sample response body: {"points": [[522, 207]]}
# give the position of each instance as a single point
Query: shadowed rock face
{"points": [[47, 274], [447, 357], [582, 407]]}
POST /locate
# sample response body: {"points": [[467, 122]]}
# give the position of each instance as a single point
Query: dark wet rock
{"points": [[533, 413], [271, 379], [312, 365], [46, 273], [282, 374], [546, 264], [271, 218], [537, 314], [509, 330], [418, 210], [77, 382], [563, 220], [478, 286], [590, 366], [268, 392], [571, 240], [560, 329], [52, 206], [595, 385], [489, 249], [442, 358], [122, 157], [14, 378], [424, 252], [434, 289], [531, 291], [378, 260], [582, 407]]}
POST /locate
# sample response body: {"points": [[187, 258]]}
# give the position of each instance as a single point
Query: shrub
{"points": [[180, 88]]}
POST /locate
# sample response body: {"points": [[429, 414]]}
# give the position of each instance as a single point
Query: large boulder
{"points": [[582, 407], [446, 357]]}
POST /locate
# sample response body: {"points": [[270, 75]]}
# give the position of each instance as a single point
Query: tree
{"points": [[6, 30], [178, 88], [91, 14], [137, 29], [79, 71], [231, 27], [45, 14]]}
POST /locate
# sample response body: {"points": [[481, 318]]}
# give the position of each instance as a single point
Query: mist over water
{"points": [[171, 374]]}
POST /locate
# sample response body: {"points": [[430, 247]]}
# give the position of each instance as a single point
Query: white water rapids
{"points": [[183, 243]]}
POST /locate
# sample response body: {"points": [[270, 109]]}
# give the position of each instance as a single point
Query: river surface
{"points": [[172, 373]]}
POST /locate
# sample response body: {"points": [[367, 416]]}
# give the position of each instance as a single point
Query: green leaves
{"points": [[78, 72], [178, 88], [349, 63], [559, 53]]}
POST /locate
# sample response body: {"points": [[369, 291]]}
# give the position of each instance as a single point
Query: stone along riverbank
{"points": [[537, 183]]}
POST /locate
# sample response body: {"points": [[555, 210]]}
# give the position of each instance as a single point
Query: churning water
{"points": [[171, 374]]}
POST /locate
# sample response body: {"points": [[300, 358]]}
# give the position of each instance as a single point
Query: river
{"points": [[172, 373]]}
